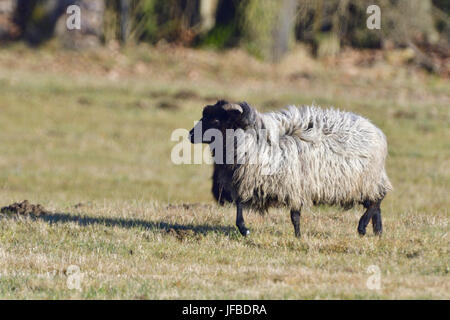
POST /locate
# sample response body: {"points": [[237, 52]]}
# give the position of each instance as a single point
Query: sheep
{"points": [[304, 155]]}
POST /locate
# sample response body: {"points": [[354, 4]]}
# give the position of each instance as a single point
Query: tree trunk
{"points": [[284, 31]]}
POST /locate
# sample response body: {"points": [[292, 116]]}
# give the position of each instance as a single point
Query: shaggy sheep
{"points": [[296, 158]]}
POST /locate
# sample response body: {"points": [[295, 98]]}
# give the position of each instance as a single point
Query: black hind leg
{"points": [[373, 212], [295, 218], [376, 221]]}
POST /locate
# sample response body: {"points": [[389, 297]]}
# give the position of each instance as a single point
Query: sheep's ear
{"points": [[233, 107]]}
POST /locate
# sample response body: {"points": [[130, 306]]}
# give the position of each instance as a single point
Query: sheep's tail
{"points": [[386, 184]]}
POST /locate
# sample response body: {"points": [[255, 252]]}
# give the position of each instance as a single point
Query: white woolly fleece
{"points": [[309, 156]]}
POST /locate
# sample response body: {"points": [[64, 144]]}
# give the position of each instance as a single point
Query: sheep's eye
{"points": [[215, 121]]}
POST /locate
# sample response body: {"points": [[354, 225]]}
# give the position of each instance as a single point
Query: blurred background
{"points": [[267, 29], [88, 114]]}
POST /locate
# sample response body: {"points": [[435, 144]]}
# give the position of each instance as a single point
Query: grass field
{"points": [[87, 135]]}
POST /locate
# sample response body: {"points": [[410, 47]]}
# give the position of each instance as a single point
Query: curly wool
{"points": [[313, 156]]}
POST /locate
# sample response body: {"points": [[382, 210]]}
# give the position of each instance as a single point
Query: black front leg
{"points": [[240, 223], [295, 218]]}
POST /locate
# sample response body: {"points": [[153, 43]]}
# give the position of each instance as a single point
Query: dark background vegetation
{"points": [[266, 29]]}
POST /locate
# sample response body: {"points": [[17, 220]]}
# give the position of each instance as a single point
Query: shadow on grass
{"points": [[133, 223]]}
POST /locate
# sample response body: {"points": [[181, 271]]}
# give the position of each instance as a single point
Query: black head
{"points": [[221, 116]]}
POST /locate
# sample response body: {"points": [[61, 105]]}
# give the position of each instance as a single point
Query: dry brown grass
{"points": [[94, 128]]}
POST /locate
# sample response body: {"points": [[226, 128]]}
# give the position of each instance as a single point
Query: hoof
{"points": [[378, 232], [244, 231]]}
